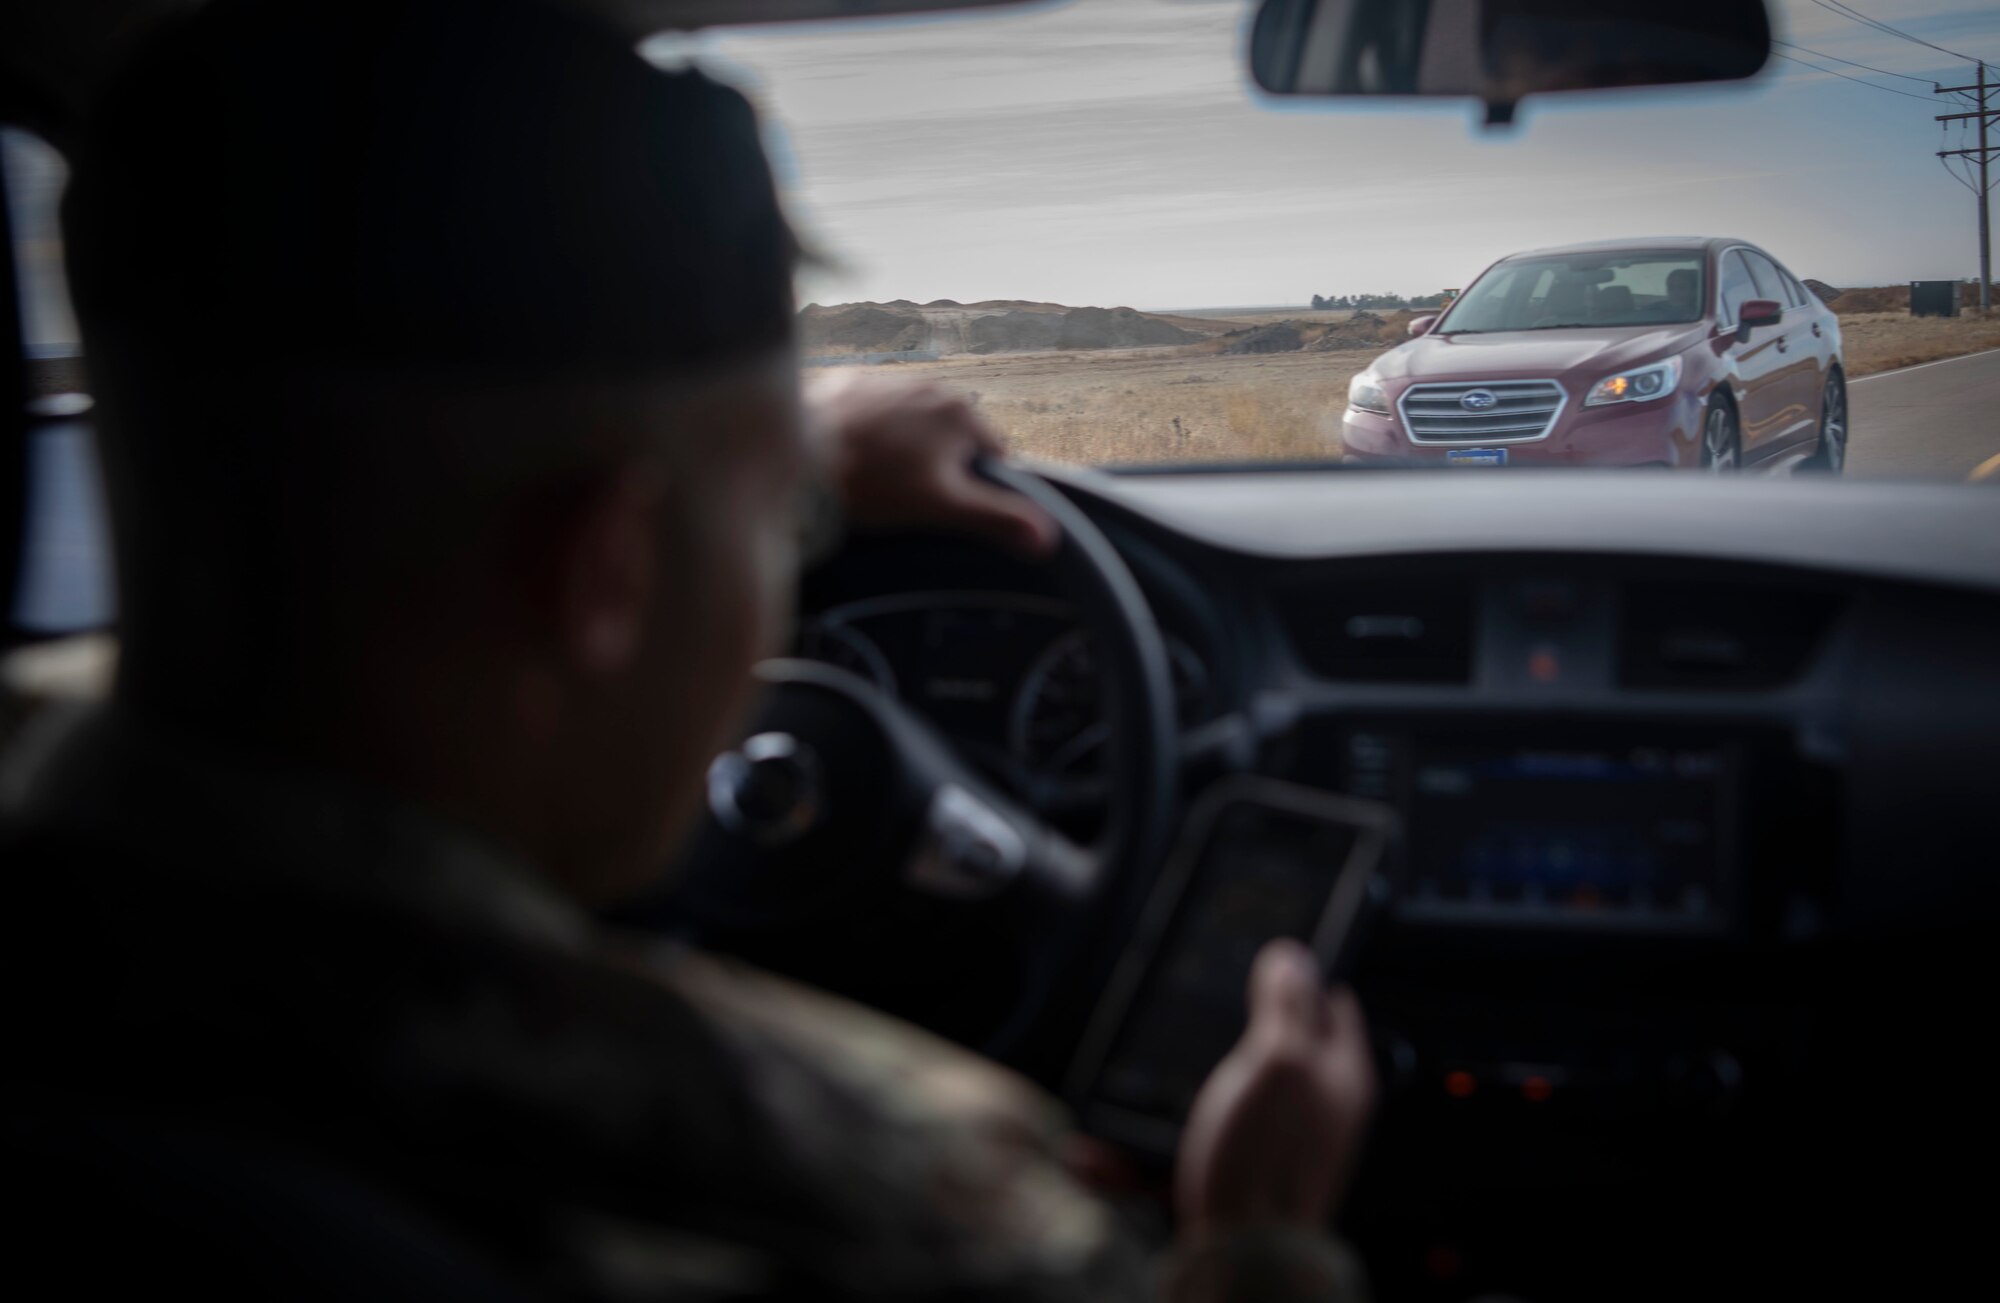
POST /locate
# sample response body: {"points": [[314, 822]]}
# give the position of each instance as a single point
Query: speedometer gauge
{"points": [[845, 647], [1058, 728], [1058, 722]]}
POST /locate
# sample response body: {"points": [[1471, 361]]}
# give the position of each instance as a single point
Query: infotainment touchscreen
{"points": [[1559, 834]]}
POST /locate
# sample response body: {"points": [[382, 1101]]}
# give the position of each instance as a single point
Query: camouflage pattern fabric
{"points": [[279, 960]]}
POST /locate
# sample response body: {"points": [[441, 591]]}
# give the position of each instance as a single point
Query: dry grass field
{"points": [[1149, 405], [1320, 316], [1191, 403], [1883, 341]]}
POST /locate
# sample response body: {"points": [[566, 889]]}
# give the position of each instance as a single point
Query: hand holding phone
{"points": [[1260, 860], [1274, 1133]]}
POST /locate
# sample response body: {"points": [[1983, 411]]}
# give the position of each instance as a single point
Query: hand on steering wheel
{"points": [[902, 456]]}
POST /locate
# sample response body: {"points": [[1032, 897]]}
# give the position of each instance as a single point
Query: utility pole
{"points": [[1984, 116]]}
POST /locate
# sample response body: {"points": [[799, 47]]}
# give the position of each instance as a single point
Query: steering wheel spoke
{"points": [[851, 845]]}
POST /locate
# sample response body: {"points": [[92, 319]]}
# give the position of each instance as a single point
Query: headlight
{"points": [[1637, 385], [1363, 392]]}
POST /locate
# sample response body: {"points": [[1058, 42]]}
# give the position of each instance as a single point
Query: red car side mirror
{"points": [[1760, 312], [1422, 325]]}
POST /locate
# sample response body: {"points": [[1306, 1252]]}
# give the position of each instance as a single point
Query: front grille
{"points": [[1523, 410]]}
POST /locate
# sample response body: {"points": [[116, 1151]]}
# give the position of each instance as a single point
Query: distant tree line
{"points": [[1436, 300]]}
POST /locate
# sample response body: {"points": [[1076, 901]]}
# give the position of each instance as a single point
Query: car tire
{"points": [[1830, 457], [1721, 441]]}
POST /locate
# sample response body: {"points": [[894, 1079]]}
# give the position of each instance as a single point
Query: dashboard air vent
{"points": [[1719, 636], [1383, 632]]}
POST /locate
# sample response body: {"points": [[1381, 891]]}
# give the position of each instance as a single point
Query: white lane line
{"points": [[1902, 370]]}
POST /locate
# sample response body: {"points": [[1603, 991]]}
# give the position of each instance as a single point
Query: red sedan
{"points": [[1686, 352]]}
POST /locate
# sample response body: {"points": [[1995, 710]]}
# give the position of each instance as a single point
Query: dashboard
{"points": [[1688, 776], [1583, 730], [1008, 677]]}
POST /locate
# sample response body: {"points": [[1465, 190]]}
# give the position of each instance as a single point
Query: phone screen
{"points": [[1262, 860]]}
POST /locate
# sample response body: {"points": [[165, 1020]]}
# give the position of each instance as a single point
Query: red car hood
{"points": [[1589, 351]]}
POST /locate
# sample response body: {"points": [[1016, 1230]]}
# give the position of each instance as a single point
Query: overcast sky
{"points": [[1114, 152]]}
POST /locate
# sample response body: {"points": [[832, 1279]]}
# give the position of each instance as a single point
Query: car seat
{"points": [[1565, 304], [1613, 304]]}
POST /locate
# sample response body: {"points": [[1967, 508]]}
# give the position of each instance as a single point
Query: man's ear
{"points": [[608, 573]]}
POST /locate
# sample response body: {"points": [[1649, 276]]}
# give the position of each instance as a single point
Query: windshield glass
{"points": [[1582, 290], [1087, 219]]}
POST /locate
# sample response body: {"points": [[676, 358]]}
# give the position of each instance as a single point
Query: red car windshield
{"points": [[1631, 289]]}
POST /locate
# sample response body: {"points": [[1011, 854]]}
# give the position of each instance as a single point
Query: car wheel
{"points": [[1831, 457], [1721, 449]]}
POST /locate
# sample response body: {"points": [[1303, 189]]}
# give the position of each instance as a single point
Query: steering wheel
{"points": [[849, 846]]}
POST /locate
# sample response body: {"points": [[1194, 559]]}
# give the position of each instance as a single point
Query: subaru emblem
{"points": [[1479, 400]]}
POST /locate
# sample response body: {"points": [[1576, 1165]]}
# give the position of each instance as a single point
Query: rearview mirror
{"points": [[1422, 325], [1501, 51], [649, 16]]}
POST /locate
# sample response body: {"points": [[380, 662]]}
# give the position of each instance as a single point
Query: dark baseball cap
{"points": [[481, 184]]}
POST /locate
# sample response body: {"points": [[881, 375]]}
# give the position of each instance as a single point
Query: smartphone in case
{"points": [[1259, 859]]}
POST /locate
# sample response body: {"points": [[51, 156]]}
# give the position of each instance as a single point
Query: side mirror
{"points": [[1501, 51], [1759, 312], [1422, 325]]}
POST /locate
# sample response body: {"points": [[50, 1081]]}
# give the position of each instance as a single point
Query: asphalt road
{"points": [[1940, 420]]}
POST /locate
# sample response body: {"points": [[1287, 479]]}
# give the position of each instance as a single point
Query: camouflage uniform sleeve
{"points": [[1275, 1266], [945, 1169]]}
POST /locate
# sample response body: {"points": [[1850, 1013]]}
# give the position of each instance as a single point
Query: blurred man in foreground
{"points": [[435, 605]]}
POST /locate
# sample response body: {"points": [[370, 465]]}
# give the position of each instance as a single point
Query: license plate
{"points": [[1476, 457]]}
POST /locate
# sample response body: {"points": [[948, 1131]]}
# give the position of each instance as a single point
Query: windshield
{"points": [[1087, 219], [1582, 290]]}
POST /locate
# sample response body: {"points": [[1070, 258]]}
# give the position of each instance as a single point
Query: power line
{"points": [[1891, 90], [1983, 113], [1821, 54], [1844, 7], [1855, 14], [1960, 156], [1953, 165], [1849, 12]]}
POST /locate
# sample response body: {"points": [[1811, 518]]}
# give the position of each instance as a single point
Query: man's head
{"points": [[449, 405], [1681, 289]]}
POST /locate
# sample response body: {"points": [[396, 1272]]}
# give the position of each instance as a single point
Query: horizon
{"points": [[1305, 306]]}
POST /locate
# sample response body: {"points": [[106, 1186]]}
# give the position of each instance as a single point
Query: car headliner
{"points": [[53, 55], [1635, 244]]}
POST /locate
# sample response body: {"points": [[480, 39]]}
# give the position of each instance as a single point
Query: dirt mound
{"points": [[1118, 328], [1337, 340], [1013, 332], [991, 326], [1280, 337], [1882, 298], [1366, 330], [1878, 298], [861, 328]]}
